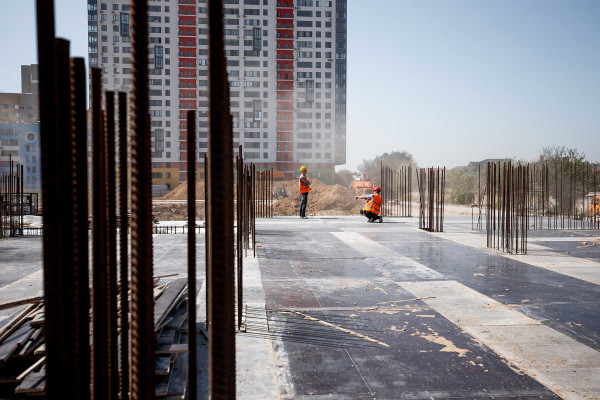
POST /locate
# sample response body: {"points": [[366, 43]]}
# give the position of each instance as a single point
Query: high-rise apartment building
{"points": [[286, 61]]}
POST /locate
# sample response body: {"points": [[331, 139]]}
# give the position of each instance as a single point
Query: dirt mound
{"points": [[180, 192], [175, 211], [322, 200]]}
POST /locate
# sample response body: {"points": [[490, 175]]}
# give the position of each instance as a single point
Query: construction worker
{"points": [[373, 208], [304, 186]]}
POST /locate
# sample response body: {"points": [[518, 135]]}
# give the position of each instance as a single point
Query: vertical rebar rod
{"points": [[191, 210], [55, 379], [142, 302], [111, 204], [66, 169], [80, 232], [221, 264], [124, 247], [253, 210], [101, 378], [206, 247], [240, 222]]}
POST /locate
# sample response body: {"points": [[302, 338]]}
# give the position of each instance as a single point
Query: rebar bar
{"points": [[220, 236], [124, 247], [142, 302], [191, 210]]}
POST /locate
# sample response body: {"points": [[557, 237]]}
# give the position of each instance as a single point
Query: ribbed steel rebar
{"points": [[124, 248], [81, 302], [66, 170], [191, 210], [220, 208], [55, 380], [113, 349], [142, 302], [99, 244]]}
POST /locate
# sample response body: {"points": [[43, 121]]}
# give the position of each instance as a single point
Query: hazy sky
{"points": [[448, 81]]}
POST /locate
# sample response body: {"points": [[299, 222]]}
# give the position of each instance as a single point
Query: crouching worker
{"points": [[373, 208]]}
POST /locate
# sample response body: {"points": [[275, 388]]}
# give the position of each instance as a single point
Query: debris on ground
{"points": [[22, 348], [175, 211], [322, 199]]}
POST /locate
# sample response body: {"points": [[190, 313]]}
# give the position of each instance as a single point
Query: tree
{"points": [[370, 169], [463, 187], [570, 164], [561, 153], [344, 177]]}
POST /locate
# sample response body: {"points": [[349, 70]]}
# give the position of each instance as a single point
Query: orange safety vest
{"points": [[374, 205], [304, 188]]}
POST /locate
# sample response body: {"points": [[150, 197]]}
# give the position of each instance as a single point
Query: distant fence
{"points": [[156, 230]]}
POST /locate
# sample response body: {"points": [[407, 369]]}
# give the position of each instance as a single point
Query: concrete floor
{"points": [[341, 309], [386, 311]]}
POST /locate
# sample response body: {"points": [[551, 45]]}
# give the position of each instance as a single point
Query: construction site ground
{"points": [[338, 308]]}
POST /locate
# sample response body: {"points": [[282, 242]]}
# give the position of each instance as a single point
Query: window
{"points": [[158, 56]]}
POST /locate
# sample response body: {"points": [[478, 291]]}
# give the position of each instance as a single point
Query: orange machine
{"points": [[594, 206], [362, 188]]}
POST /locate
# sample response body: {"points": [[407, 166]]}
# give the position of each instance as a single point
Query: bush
{"points": [[463, 187]]}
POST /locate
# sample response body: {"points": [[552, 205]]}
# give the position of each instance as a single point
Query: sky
{"points": [[448, 81]]}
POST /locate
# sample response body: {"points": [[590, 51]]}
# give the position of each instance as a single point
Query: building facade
{"points": [[20, 130], [286, 61], [20, 143]]}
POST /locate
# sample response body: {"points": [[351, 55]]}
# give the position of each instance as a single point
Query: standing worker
{"points": [[304, 186], [373, 208]]}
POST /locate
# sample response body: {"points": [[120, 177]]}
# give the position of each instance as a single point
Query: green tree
{"points": [[370, 169], [568, 163], [463, 187], [344, 177]]}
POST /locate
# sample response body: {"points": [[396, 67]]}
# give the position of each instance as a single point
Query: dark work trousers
{"points": [[303, 204], [370, 215]]}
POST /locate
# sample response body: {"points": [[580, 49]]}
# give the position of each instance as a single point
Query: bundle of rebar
{"points": [[562, 194], [12, 201], [508, 206], [432, 186], [123, 310], [396, 191], [264, 193]]}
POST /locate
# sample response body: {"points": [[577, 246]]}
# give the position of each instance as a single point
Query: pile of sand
{"points": [[322, 200], [180, 192]]}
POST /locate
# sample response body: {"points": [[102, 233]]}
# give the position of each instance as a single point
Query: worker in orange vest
{"points": [[373, 208], [304, 186]]}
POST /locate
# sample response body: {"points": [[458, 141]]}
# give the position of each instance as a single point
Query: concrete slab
{"points": [[255, 358], [560, 363], [539, 256], [428, 355]]}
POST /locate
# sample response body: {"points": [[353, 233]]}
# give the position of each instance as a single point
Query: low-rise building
{"points": [[20, 130]]}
